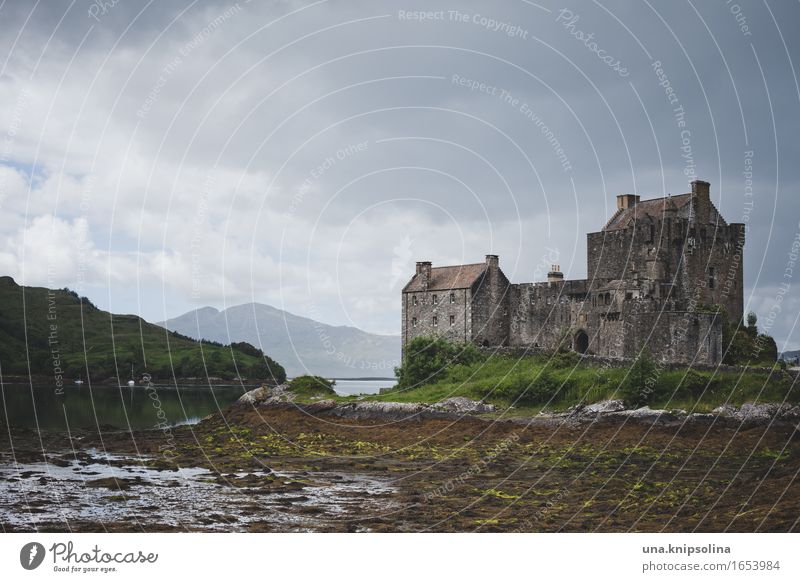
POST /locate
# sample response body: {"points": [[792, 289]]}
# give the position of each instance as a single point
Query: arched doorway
{"points": [[581, 342]]}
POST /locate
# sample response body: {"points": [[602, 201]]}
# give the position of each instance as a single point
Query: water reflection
{"points": [[105, 406]]}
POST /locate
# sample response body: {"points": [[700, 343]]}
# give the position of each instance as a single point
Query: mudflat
{"points": [[285, 469]]}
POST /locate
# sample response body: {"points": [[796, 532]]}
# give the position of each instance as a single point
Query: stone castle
{"points": [[657, 273]]}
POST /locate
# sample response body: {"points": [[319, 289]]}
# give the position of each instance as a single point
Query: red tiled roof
{"points": [[654, 208], [446, 278]]}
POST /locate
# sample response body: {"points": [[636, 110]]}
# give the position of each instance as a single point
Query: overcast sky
{"points": [[163, 156]]}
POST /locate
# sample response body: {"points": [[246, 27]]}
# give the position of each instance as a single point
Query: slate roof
{"points": [[447, 278], [654, 208]]}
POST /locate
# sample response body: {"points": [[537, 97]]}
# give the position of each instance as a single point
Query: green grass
{"points": [[312, 386], [38, 325], [496, 377]]}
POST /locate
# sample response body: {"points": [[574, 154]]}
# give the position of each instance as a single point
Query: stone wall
{"points": [[490, 308], [448, 315]]}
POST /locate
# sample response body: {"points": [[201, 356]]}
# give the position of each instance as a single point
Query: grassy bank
{"points": [[556, 382]]}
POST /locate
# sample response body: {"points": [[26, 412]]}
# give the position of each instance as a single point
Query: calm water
{"points": [[137, 407], [84, 407], [348, 387]]}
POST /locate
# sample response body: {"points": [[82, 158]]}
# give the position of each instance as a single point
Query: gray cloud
{"points": [[304, 154]]}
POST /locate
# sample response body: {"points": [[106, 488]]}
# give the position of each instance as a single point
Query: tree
{"points": [[752, 321], [247, 348]]}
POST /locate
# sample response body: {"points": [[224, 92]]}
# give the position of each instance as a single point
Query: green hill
{"points": [[49, 333]]}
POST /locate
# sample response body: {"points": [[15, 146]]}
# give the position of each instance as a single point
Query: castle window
{"points": [[413, 322], [413, 300], [435, 320], [712, 278], [628, 296], [452, 320], [452, 297], [652, 236], [436, 299]]}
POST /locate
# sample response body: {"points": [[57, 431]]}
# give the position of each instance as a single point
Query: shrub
{"points": [[427, 359], [312, 386], [641, 386], [694, 384], [564, 359]]}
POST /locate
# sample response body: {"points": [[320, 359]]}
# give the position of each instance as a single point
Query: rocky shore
{"points": [[270, 463], [749, 414]]}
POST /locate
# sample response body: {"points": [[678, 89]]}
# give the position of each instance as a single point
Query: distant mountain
{"points": [[55, 334], [300, 344], [791, 355]]}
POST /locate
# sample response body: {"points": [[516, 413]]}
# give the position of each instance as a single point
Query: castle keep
{"points": [[656, 273]]}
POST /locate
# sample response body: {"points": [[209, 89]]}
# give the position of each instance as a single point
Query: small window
{"points": [[414, 322], [435, 299], [452, 297], [452, 320], [435, 320], [628, 296], [712, 278], [413, 300]]}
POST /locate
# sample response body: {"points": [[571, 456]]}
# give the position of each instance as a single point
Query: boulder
{"points": [[266, 395], [462, 405], [603, 406], [382, 410], [759, 413]]}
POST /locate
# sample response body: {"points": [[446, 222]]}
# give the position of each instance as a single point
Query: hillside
{"points": [[301, 344], [42, 330]]}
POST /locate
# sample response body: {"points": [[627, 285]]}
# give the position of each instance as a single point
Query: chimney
{"points": [[627, 200], [492, 261], [555, 275], [701, 188], [424, 270]]}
